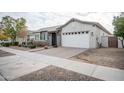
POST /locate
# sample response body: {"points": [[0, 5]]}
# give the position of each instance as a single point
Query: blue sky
{"points": [[37, 20]]}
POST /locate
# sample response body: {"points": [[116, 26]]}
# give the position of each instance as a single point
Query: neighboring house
{"points": [[28, 37], [74, 33]]}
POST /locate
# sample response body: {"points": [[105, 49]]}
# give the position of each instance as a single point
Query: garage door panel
{"points": [[79, 40]]}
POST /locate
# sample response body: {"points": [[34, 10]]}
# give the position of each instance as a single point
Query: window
{"points": [[75, 32], [36, 37], [86, 32], [66, 33], [72, 33], [82, 32], [43, 36], [78, 32], [63, 34], [69, 33]]}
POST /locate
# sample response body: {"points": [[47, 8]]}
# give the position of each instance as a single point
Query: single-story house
{"points": [[74, 33]]}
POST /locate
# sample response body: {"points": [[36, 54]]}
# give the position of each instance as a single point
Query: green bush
{"points": [[19, 45], [32, 46], [23, 44], [15, 43], [2, 44], [10, 44], [6, 44], [29, 43]]}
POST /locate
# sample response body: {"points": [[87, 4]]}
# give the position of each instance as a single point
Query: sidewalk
{"points": [[100, 72]]}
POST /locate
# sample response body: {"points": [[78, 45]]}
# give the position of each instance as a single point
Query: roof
{"points": [[58, 27], [49, 29], [87, 22], [30, 32]]}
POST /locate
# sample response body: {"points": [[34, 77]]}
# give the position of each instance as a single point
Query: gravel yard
{"points": [[111, 57], [53, 73]]}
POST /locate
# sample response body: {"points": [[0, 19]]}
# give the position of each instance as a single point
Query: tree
{"points": [[11, 26], [22, 33], [21, 29], [118, 23], [3, 37]]}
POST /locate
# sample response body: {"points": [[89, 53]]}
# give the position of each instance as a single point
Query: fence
{"points": [[111, 41]]}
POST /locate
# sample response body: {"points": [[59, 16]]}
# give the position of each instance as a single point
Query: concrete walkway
{"points": [[25, 62], [61, 52]]}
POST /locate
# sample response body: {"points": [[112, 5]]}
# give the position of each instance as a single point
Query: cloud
{"points": [[37, 20]]}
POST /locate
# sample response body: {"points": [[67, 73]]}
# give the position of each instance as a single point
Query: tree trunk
{"points": [[13, 39]]}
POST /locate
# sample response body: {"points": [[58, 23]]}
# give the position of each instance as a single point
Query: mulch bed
{"points": [[4, 53], [111, 57], [53, 73]]}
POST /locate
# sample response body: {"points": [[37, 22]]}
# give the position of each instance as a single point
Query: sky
{"points": [[37, 20]]}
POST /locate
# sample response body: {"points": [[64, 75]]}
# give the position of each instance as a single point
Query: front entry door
{"points": [[54, 39]]}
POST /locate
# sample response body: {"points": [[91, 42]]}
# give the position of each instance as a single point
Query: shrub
{"points": [[6, 44], [23, 44], [16, 43], [32, 46], [40, 43], [2, 43], [29, 43], [19, 45]]}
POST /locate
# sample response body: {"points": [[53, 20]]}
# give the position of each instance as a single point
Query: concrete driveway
{"points": [[62, 52], [24, 62]]}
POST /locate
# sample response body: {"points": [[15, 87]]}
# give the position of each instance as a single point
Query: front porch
{"points": [[54, 38]]}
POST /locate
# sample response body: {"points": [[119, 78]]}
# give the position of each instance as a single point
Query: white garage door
{"points": [[75, 39]]}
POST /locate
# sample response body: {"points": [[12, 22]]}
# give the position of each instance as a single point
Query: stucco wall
{"points": [[119, 43], [96, 36], [76, 26], [100, 33], [104, 40], [59, 38], [81, 40]]}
